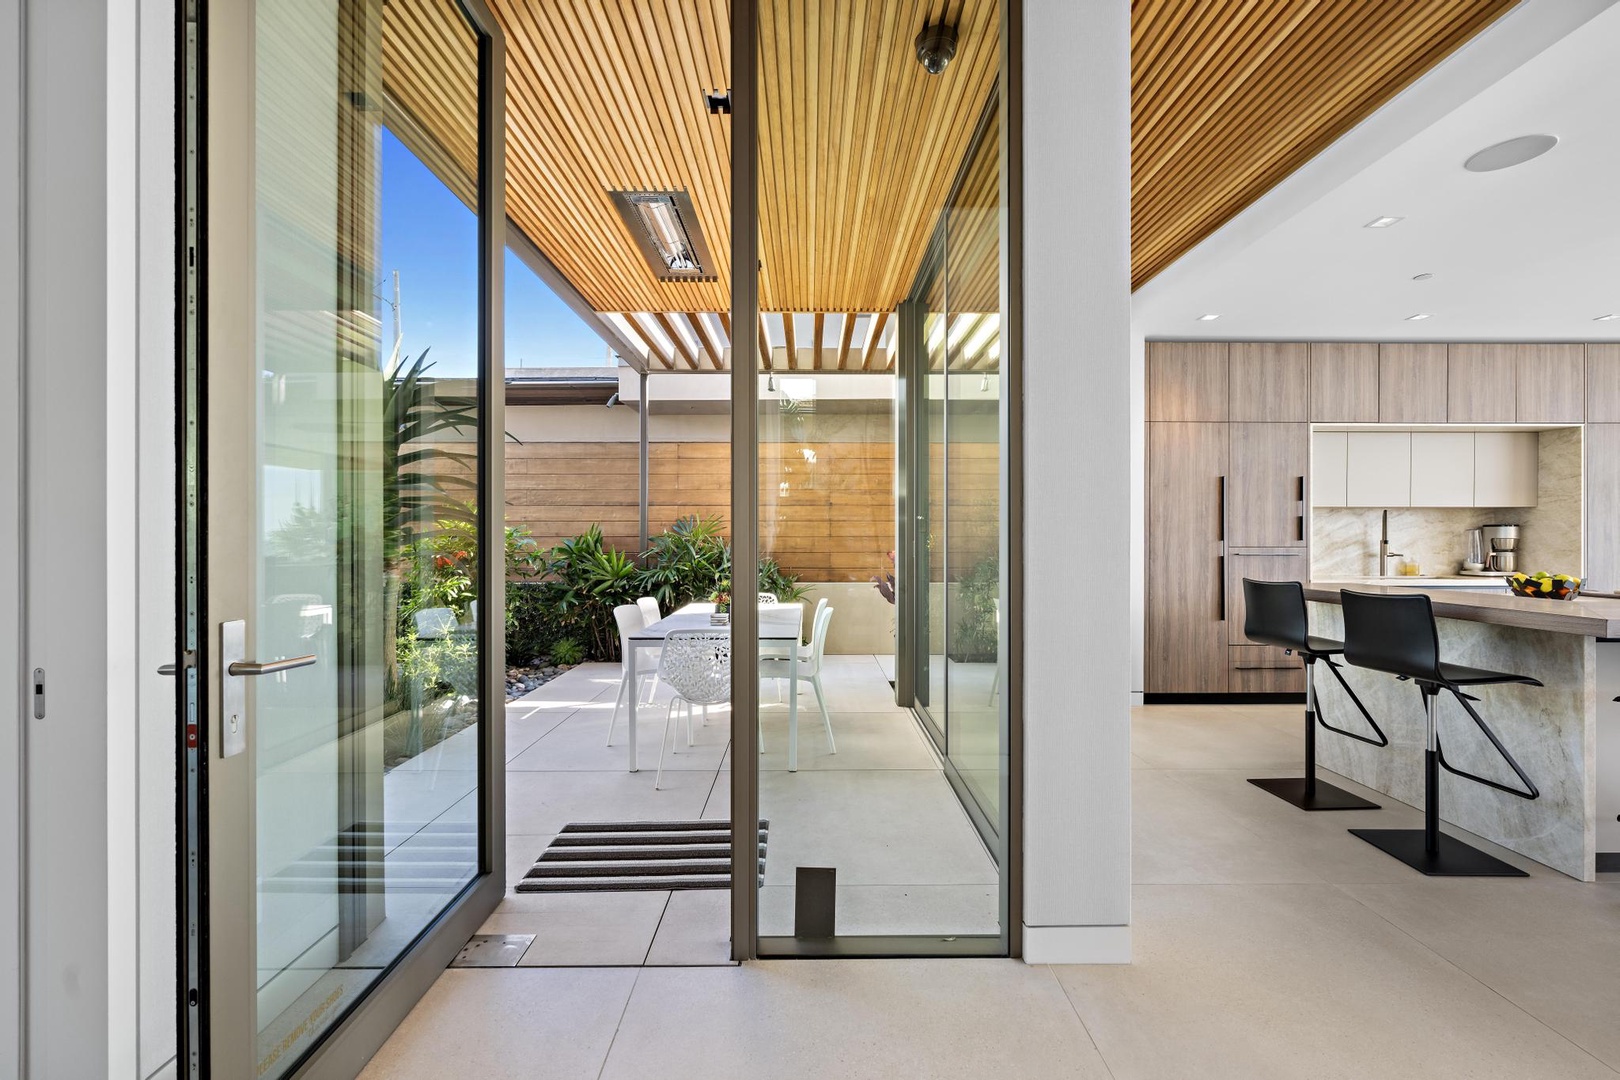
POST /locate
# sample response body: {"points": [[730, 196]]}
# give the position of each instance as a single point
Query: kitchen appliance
{"points": [[1475, 559], [1503, 541]]}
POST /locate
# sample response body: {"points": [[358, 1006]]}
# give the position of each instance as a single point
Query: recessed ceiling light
{"points": [[1421, 277], [1208, 318], [1505, 155], [1382, 222], [1607, 318], [1420, 316]]}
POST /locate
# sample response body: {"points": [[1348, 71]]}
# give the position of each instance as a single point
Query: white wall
{"points": [[11, 668], [1077, 446]]}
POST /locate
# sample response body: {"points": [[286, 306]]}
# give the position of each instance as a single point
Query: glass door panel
{"points": [[972, 547], [343, 522]]}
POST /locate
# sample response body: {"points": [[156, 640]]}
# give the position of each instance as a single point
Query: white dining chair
{"points": [[628, 618], [649, 609], [436, 622], [768, 652], [809, 671], [767, 599], [696, 664]]}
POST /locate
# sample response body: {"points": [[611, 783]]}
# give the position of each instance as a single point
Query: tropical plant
{"points": [[975, 637], [686, 561], [885, 583], [584, 581], [783, 585], [566, 652]]}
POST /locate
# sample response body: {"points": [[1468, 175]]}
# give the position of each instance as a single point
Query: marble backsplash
{"points": [[1344, 540]]}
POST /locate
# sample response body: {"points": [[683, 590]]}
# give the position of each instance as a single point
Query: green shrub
{"points": [[974, 638], [584, 581], [531, 623], [566, 652], [785, 586], [686, 562]]}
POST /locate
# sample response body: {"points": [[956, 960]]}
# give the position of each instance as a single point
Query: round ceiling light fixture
{"points": [[1505, 155], [935, 45]]}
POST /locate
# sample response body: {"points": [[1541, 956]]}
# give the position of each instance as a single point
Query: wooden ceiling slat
{"points": [[792, 347], [764, 346], [1231, 96]]}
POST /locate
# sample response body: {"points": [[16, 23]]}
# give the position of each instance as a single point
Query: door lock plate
{"points": [[232, 689]]}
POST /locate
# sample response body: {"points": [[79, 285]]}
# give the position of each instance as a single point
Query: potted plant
{"points": [[721, 598]]}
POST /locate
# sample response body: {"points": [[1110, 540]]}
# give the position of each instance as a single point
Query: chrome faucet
{"points": [[1384, 554]]}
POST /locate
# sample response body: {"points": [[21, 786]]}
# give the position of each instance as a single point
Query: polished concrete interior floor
{"points": [[879, 810], [1268, 944]]}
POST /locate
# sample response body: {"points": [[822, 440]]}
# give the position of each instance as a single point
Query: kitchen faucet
{"points": [[1384, 554]]}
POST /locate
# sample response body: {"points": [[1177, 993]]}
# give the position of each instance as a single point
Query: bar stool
{"points": [[1274, 614], [1397, 635]]}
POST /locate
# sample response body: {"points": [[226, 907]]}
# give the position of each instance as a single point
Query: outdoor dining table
{"points": [[780, 627]]}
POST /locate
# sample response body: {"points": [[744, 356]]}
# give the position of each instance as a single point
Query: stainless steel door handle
{"points": [[269, 667]]}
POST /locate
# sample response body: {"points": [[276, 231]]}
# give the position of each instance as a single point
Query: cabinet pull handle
{"points": [[1220, 560], [1300, 520]]}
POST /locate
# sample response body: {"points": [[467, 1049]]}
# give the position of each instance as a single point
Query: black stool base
{"points": [[1324, 796], [1452, 857]]}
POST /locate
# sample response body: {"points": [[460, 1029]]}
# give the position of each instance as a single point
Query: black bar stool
{"points": [[1397, 635], [1274, 614]]}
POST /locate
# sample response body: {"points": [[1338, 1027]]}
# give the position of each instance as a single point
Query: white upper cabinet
{"points": [[1379, 469], [1506, 468], [1442, 468], [1330, 457]]}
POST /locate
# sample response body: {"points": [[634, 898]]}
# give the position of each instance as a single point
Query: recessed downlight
{"points": [[1382, 222], [1420, 316], [1421, 277], [1208, 318], [1505, 155], [1607, 318]]}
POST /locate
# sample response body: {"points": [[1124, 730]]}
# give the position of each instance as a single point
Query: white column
{"points": [[1077, 471]]}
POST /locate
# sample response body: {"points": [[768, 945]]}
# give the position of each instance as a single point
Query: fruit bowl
{"points": [[1545, 586]]}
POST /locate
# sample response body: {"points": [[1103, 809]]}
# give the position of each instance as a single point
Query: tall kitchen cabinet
{"points": [[1227, 453]]}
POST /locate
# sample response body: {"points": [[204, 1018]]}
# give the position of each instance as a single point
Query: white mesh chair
{"points": [[809, 670], [436, 622], [766, 599], [628, 617], [696, 664]]}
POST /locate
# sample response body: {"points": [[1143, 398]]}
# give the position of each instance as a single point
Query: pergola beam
{"points": [[815, 344], [704, 344], [764, 346], [792, 347], [847, 337], [879, 322], [675, 339], [652, 346]]}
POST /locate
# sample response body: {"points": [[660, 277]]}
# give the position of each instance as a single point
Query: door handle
{"points": [[1301, 519], [269, 667]]}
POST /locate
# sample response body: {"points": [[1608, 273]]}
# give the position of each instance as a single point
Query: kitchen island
{"points": [[1566, 733]]}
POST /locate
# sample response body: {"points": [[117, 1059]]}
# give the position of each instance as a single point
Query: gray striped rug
{"points": [[628, 856]]}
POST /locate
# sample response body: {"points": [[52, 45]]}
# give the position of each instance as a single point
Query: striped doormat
{"points": [[628, 856]]}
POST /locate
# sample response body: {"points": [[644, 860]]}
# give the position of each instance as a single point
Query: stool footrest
{"points": [[1308, 796], [1450, 857]]}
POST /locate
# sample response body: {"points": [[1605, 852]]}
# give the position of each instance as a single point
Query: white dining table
{"points": [[780, 628]]}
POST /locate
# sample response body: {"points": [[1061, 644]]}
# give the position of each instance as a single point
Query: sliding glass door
{"points": [[344, 620]]}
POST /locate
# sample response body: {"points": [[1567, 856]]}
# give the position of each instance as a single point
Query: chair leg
{"points": [[689, 725], [618, 703], [663, 744], [1307, 792], [815, 682], [1428, 850]]}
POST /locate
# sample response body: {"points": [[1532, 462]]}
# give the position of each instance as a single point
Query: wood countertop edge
{"points": [[1588, 617]]}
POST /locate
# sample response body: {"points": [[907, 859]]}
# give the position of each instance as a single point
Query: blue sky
{"points": [[432, 240]]}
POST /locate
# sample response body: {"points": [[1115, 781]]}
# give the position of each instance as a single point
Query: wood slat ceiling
{"points": [[858, 144], [1228, 97]]}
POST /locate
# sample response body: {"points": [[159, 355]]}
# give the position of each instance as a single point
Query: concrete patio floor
{"points": [[879, 810]]}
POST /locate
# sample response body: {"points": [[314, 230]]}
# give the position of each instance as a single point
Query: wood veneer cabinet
{"points": [[1482, 384], [1602, 551], [1268, 493], [1268, 381], [1551, 383], [1412, 384], [1186, 646], [1344, 382], [1186, 380], [1603, 384]]}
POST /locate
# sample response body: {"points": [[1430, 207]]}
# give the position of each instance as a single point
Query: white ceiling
{"points": [[1527, 253]]}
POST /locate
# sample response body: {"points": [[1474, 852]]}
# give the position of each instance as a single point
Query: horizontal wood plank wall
{"points": [[832, 522]]}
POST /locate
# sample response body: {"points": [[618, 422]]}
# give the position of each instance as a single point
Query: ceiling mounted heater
{"points": [[664, 225]]}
